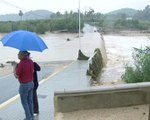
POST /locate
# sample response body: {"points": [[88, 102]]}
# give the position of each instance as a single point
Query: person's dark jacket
{"points": [[35, 77]]}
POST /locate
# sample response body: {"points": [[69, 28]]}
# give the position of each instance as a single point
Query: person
{"points": [[24, 73], [36, 84]]}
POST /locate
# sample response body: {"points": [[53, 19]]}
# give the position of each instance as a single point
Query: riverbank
{"points": [[6, 70], [56, 65], [129, 33]]}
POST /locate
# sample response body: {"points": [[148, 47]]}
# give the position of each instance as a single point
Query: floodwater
{"points": [[118, 50], [59, 49]]}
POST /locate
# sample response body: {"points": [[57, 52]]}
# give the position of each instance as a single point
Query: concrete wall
{"points": [[103, 97]]}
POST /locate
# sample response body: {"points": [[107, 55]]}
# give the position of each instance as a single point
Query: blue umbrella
{"points": [[24, 40]]}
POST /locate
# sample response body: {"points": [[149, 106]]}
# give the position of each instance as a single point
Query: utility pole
{"points": [[79, 27]]}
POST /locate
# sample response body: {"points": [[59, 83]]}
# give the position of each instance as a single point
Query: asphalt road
{"points": [[9, 84]]}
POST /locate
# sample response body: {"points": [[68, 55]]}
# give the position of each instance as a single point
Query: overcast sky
{"points": [[102, 6]]}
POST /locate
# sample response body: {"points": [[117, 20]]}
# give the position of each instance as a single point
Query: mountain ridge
{"points": [[30, 15], [128, 11], [46, 14]]}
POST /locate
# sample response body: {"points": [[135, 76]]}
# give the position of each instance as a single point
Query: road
{"points": [[9, 84]]}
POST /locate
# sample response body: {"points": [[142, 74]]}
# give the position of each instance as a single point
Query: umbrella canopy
{"points": [[24, 40]]}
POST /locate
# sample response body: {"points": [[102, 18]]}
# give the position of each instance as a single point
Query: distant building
{"points": [[129, 18]]}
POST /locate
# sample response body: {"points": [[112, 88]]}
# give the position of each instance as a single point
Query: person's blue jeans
{"points": [[26, 96]]}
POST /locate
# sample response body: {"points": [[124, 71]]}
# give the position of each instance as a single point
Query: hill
{"points": [[127, 11], [31, 15], [45, 14]]}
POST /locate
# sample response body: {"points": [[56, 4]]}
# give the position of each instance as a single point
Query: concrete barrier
{"points": [[102, 97]]}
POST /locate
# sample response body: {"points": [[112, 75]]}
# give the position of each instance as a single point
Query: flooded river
{"points": [[59, 48], [118, 50]]}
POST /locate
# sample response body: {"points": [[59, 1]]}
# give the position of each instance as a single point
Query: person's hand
{"points": [[15, 75]]}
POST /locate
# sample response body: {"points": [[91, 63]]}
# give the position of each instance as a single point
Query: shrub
{"points": [[140, 72]]}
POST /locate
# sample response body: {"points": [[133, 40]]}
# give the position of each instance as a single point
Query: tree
{"points": [[143, 14], [20, 14]]}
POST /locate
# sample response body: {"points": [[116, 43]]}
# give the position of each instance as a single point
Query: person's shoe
{"points": [[35, 114]]}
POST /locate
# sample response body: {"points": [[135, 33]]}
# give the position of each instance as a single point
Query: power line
{"points": [[15, 6], [12, 5]]}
